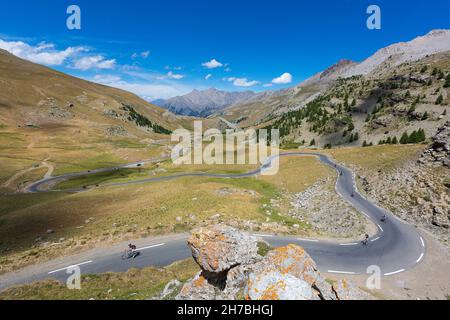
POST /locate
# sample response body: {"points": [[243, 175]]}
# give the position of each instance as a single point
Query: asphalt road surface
{"points": [[396, 247]]}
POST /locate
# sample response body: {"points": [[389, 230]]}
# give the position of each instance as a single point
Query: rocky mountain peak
{"points": [[433, 42]]}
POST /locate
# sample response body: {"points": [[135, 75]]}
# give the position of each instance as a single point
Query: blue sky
{"points": [[159, 49]]}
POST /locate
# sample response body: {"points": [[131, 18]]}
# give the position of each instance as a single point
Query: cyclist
{"points": [[383, 218], [366, 240], [132, 248]]}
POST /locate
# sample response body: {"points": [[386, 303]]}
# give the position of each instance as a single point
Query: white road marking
{"points": [[72, 266], [420, 258], [395, 272], [150, 247], [263, 235], [349, 244], [423, 242], [309, 240], [342, 272], [380, 228], [377, 238]]}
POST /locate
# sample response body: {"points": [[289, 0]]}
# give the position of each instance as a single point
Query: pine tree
{"points": [[389, 140], [356, 137], [425, 116], [421, 136], [439, 100], [394, 140], [447, 81], [404, 139], [313, 142], [365, 143], [414, 137]]}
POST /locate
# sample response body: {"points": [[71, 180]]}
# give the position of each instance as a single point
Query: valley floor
{"points": [[299, 200]]}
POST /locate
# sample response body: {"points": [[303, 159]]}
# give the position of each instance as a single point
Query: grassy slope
{"points": [[141, 210], [69, 121], [132, 285]]}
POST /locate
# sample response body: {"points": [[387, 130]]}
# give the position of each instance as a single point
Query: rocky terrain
{"points": [[403, 87], [417, 191], [396, 54], [234, 265], [327, 213]]}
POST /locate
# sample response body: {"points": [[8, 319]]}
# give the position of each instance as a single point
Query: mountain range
{"points": [[207, 102], [203, 103]]}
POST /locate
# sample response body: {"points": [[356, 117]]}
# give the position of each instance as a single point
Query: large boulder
{"points": [[294, 261], [219, 248], [346, 290], [276, 285], [232, 269]]}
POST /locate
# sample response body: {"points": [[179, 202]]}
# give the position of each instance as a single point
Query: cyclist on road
{"points": [[366, 240], [132, 248]]}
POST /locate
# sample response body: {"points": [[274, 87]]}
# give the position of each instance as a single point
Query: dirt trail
{"points": [[11, 183]]}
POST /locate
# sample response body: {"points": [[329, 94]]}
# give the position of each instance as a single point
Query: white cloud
{"points": [[94, 62], [208, 76], [43, 53], [146, 90], [143, 55], [106, 79], [267, 85], [242, 82], [171, 75], [285, 78], [212, 64], [173, 68]]}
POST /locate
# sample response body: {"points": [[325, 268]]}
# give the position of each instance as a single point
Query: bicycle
{"points": [[130, 254]]}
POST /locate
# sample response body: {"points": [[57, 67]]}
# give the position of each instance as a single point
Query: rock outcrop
{"points": [[439, 151], [231, 268]]}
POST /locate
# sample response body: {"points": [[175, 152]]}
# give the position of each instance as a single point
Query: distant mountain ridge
{"points": [[433, 42], [207, 102], [203, 103]]}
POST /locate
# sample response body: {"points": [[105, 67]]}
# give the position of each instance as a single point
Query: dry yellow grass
{"points": [[110, 214], [384, 157], [131, 285], [297, 173]]}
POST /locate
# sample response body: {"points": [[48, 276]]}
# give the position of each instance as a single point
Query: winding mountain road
{"points": [[396, 247]]}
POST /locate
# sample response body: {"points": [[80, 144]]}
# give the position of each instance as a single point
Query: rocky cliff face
{"points": [[433, 42], [233, 267], [439, 150]]}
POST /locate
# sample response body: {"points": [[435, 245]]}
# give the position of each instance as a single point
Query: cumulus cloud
{"points": [[94, 62], [208, 76], [242, 82], [106, 79], [212, 64], [173, 68], [285, 78], [171, 75], [143, 55], [43, 53], [148, 91]]}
